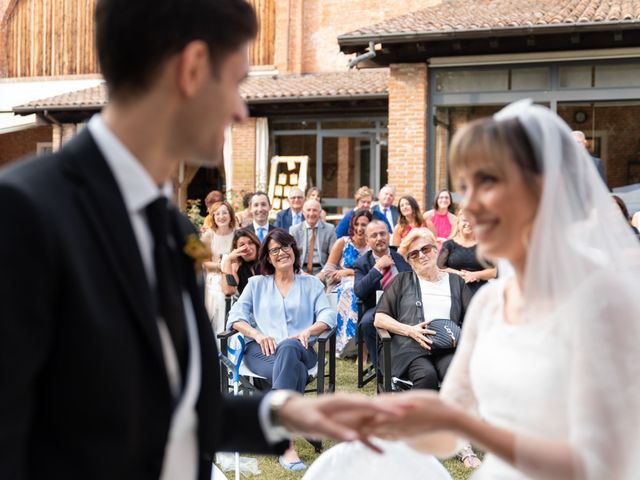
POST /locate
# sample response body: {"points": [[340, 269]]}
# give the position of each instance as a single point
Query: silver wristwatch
{"points": [[277, 400]]}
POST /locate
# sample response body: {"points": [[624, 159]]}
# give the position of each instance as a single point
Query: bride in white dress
{"points": [[545, 378]]}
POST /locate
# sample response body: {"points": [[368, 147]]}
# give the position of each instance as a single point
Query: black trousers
{"points": [[428, 371]]}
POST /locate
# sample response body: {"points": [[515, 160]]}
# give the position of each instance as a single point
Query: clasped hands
{"points": [[347, 417]]}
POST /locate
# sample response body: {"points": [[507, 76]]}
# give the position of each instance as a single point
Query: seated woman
{"points": [[458, 256], [339, 276], [281, 312], [441, 296], [241, 263], [409, 217]]}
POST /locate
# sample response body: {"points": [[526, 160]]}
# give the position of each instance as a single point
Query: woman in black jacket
{"points": [[411, 302]]}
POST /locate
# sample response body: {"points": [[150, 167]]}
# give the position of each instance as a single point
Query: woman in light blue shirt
{"points": [[281, 313]]}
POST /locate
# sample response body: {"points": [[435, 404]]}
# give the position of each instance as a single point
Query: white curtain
{"points": [[262, 153], [227, 154]]}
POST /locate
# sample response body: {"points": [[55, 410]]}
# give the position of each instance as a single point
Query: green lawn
{"points": [[345, 381]]}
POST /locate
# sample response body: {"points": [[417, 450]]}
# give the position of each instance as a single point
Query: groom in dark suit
{"points": [[374, 271], [108, 364]]}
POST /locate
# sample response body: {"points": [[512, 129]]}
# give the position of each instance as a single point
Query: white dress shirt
{"points": [[265, 230], [138, 190], [387, 213]]}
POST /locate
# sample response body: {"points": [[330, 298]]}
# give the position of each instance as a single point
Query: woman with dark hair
{"points": [[241, 263], [409, 217], [442, 215], [281, 312], [338, 274]]}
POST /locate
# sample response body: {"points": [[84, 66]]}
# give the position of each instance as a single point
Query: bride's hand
{"points": [[425, 413]]}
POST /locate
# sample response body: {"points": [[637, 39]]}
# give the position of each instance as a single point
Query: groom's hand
{"points": [[424, 413], [341, 416]]}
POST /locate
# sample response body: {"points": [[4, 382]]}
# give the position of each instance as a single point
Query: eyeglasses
{"points": [[283, 248], [426, 250]]}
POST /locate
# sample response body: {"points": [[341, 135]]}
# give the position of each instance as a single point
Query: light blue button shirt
{"points": [[262, 306]]}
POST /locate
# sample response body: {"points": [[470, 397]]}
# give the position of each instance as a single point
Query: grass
{"points": [[346, 374]]}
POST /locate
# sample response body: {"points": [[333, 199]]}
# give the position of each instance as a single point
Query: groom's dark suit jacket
{"points": [[85, 393]]}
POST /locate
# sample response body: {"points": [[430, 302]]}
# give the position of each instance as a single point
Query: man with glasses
{"points": [[293, 215], [374, 271]]}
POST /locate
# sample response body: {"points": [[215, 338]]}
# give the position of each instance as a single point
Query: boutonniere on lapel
{"points": [[196, 250]]}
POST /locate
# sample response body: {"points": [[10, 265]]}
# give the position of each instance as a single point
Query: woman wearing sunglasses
{"points": [[280, 313], [439, 294]]}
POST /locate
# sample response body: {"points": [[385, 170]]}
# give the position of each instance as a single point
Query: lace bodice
{"points": [[547, 378]]}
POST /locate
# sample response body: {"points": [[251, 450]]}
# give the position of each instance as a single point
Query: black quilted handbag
{"points": [[447, 334], [447, 331]]}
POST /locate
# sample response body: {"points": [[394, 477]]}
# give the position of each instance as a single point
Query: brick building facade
{"points": [[436, 65]]}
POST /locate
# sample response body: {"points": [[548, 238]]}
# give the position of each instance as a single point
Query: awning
{"points": [[15, 92]]}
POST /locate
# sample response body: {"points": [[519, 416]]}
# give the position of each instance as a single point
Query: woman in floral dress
{"points": [[339, 275]]}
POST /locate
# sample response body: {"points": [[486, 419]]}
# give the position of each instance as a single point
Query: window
{"points": [[44, 147]]}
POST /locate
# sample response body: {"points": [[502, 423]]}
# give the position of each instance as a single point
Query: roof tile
{"points": [[256, 89], [467, 15]]}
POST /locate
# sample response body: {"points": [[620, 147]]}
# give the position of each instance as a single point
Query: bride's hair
{"points": [[498, 142]]}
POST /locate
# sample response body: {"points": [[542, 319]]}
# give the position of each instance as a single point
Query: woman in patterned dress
{"points": [[338, 275]]}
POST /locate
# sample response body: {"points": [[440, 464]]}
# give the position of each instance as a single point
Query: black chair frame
{"points": [[365, 375]]}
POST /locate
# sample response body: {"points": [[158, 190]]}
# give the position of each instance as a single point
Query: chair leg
{"points": [[316, 444], [224, 372], [321, 360], [332, 364], [360, 342], [387, 366]]}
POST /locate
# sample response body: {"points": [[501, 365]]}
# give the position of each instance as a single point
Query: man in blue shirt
{"points": [[385, 207], [260, 207]]}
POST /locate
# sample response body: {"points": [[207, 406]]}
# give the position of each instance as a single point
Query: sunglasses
{"points": [[275, 251], [426, 250]]}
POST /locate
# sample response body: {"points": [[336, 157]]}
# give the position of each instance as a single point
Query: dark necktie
{"points": [[168, 293]]}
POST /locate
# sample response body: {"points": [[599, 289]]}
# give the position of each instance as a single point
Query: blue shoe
{"points": [[292, 467]]}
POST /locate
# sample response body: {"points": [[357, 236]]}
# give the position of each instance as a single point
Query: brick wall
{"points": [[244, 155], [618, 132], [325, 20], [16, 145], [614, 126], [408, 130], [288, 36]]}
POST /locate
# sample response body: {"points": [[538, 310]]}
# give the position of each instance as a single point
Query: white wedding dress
{"points": [[568, 371], [348, 461]]}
